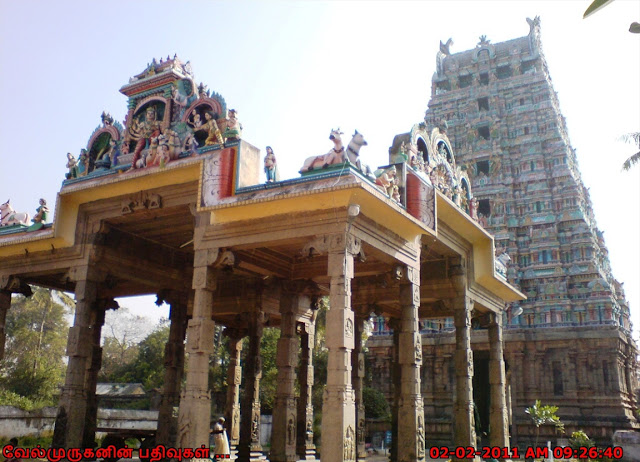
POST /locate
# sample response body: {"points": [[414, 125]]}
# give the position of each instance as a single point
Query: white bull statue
{"points": [[338, 154], [9, 217]]}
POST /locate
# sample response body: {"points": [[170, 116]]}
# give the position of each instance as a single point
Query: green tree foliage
{"points": [[148, 366], [544, 415], [268, 349], [375, 404], [37, 331]]}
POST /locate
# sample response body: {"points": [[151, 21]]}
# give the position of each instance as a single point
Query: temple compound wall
{"points": [[569, 343], [169, 203]]}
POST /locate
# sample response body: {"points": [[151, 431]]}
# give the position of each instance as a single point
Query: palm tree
{"points": [[633, 138], [597, 5]]}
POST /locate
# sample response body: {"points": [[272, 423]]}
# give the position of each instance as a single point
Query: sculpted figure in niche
{"points": [[143, 132], [386, 179], [233, 131], [195, 121], [214, 135]]}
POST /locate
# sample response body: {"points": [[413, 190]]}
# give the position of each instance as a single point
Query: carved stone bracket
{"points": [[15, 285], [332, 243], [141, 201]]}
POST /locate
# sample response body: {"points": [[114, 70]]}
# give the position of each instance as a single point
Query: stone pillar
{"points": [[411, 426], [357, 378], [396, 380], [339, 407], [464, 432], [249, 447], [498, 415], [194, 416], [305, 447], [94, 364], [283, 437], [72, 412], [5, 304], [174, 369], [234, 378]]}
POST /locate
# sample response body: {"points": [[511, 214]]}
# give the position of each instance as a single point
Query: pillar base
{"points": [[309, 456]]}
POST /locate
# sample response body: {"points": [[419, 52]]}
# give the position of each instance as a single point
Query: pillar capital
{"points": [[14, 285]]}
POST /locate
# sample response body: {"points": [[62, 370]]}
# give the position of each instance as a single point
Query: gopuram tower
{"points": [[569, 344]]}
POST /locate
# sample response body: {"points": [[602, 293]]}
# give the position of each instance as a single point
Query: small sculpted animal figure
{"points": [[353, 149], [501, 264], [9, 217], [334, 156]]}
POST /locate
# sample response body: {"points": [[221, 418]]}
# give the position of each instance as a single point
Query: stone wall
{"points": [[580, 370]]}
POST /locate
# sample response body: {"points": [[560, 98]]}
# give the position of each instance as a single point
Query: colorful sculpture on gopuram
{"points": [[169, 117]]}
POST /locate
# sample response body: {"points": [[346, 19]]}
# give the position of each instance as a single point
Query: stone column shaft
{"points": [[70, 423], [357, 378], [464, 431], [396, 380], [234, 378], [194, 416], [411, 426], [339, 407], [305, 446], [283, 437], [498, 416], [174, 369], [94, 365], [5, 304], [249, 447]]}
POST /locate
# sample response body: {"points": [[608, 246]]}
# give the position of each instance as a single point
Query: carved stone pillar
{"points": [[498, 415], [464, 431], [167, 433], [396, 380], [283, 438], [234, 378], [411, 426], [194, 416], [249, 447], [5, 304], [94, 364], [305, 447], [357, 378], [339, 407], [72, 413]]}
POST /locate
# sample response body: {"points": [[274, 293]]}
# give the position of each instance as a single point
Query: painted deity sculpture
{"points": [[83, 163], [42, 214], [191, 144], [233, 132], [143, 132], [72, 165], [270, 166], [195, 121], [9, 217], [386, 179], [214, 136]]}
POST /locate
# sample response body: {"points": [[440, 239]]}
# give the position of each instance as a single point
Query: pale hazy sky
{"points": [[294, 70]]}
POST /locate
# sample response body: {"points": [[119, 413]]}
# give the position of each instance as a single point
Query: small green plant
{"points": [[580, 439], [544, 415]]}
